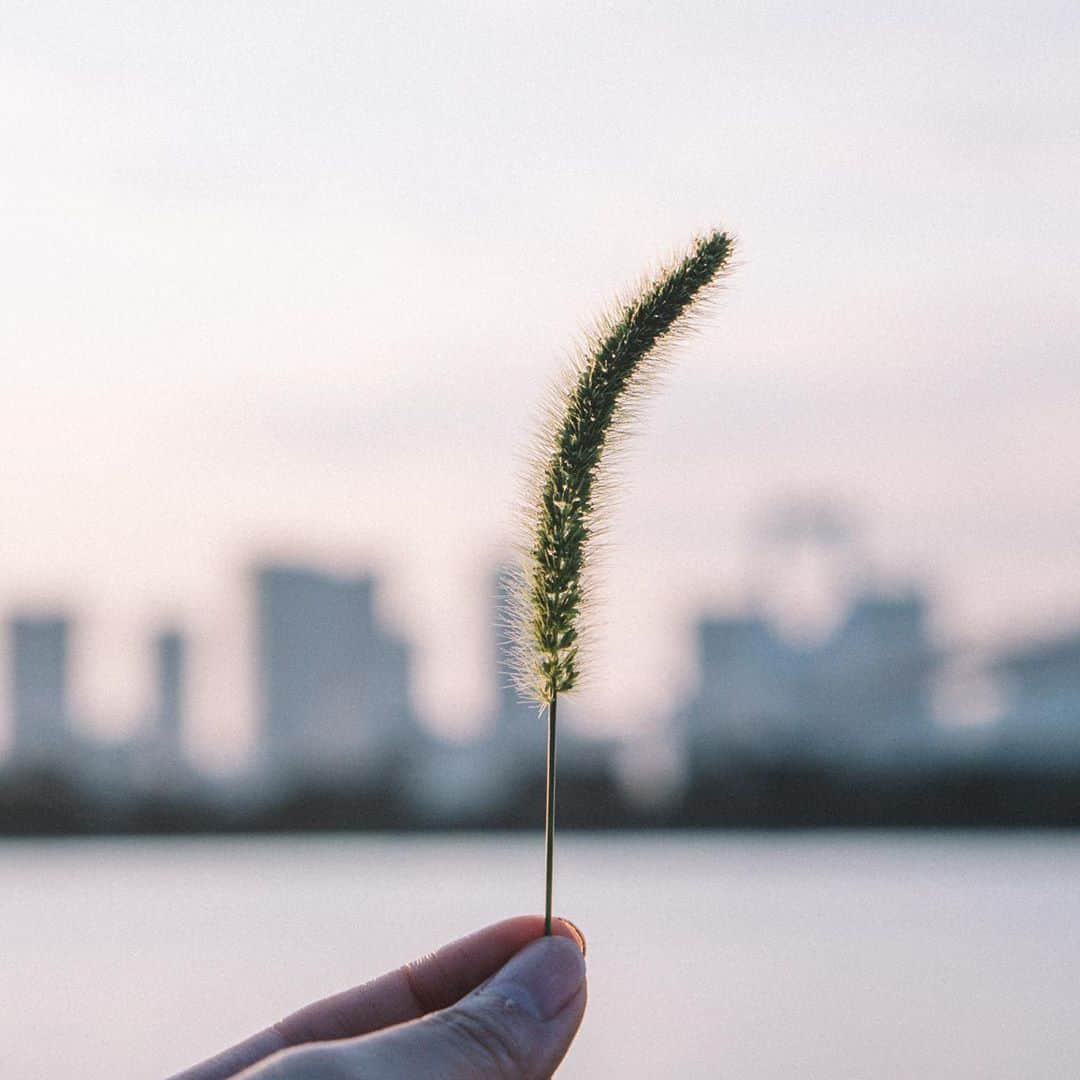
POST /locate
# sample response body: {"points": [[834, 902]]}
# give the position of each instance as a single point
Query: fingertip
{"points": [[565, 928]]}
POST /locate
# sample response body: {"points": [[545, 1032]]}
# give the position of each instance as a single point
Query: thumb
{"points": [[516, 1026]]}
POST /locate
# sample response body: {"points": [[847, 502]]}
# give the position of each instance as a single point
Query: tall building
{"points": [[333, 683], [1041, 719], [170, 656], [39, 686], [861, 695]]}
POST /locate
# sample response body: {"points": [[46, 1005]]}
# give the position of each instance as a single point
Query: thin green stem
{"points": [[549, 828]]}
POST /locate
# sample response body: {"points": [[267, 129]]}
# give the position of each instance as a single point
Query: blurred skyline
{"points": [[285, 283], [848, 728]]}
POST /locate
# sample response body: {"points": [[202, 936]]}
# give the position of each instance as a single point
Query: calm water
{"points": [[745, 957]]}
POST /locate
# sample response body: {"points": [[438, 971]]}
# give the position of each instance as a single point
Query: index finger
{"points": [[434, 982]]}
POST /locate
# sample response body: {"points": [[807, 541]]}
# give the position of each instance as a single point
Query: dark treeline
{"points": [[794, 796]]}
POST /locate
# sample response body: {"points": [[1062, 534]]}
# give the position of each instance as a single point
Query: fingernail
{"points": [[576, 931], [542, 978]]}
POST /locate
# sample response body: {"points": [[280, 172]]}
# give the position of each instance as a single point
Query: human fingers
{"points": [[426, 985], [518, 1025]]}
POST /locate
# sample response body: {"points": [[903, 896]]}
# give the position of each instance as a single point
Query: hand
{"points": [[501, 1004]]}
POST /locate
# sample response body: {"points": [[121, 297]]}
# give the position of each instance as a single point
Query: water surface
{"points": [[747, 956]]}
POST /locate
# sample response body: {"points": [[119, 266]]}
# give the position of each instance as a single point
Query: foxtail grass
{"points": [[591, 410]]}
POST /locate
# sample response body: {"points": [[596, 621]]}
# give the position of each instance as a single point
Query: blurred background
{"points": [[284, 290]]}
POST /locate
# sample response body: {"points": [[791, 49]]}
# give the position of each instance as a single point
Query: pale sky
{"points": [[295, 277]]}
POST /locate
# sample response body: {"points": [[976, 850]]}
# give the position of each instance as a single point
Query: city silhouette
{"points": [[840, 728]]}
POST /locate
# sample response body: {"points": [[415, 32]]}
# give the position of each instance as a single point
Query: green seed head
{"points": [[618, 365]]}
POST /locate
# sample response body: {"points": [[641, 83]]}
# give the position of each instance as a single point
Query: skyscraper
{"points": [[333, 684], [864, 692], [39, 686], [170, 651], [1041, 718]]}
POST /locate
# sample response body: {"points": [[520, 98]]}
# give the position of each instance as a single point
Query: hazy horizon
{"points": [[279, 282]]}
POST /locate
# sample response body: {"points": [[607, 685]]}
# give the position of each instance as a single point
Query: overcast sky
{"points": [[294, 278]]}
